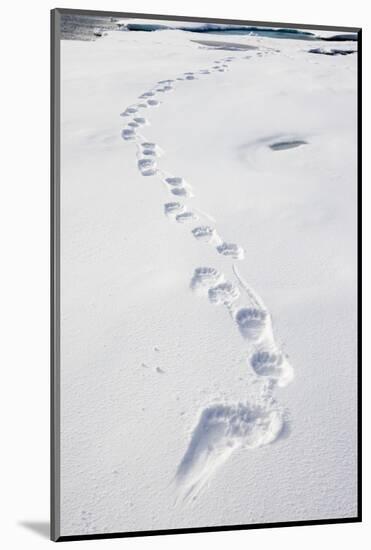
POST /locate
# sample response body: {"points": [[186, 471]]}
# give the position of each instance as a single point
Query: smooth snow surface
{"points": [[196, 175]]}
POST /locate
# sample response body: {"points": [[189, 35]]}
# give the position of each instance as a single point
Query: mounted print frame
{"points": [[205, 288]]}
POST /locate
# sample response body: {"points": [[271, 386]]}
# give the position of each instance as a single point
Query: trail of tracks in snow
{"points": [[223, 427]]}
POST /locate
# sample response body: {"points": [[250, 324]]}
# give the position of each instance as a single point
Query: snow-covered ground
{"points": [[208, 282]]}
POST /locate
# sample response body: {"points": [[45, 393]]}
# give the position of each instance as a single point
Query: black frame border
{"points": [[55, 278]]}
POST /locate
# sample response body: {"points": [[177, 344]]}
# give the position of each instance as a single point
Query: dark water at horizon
{"points": [[82, 27], [88, 27]]}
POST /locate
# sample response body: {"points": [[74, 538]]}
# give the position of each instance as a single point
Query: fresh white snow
{"points": [[194, 177]]}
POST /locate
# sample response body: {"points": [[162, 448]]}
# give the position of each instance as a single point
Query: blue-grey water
{"points": [[91, 27], [84, 27]]}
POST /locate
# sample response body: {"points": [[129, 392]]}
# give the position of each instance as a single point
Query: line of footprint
{"points": [[254, 322], [221, 428], [148, 154]]}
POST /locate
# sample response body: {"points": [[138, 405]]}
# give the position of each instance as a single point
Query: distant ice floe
{"points": [[331, 51], [228, 29], [225, 46]]}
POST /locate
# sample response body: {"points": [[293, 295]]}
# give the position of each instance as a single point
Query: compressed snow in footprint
{"points": [[205, 278], [186, 217], [175, 181], [173, 209], [230, 249], [270, 362], [220, 431], [252, 322], [147, 167], [205, 233], [128, 134], [149, 149], [224, 293]]}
